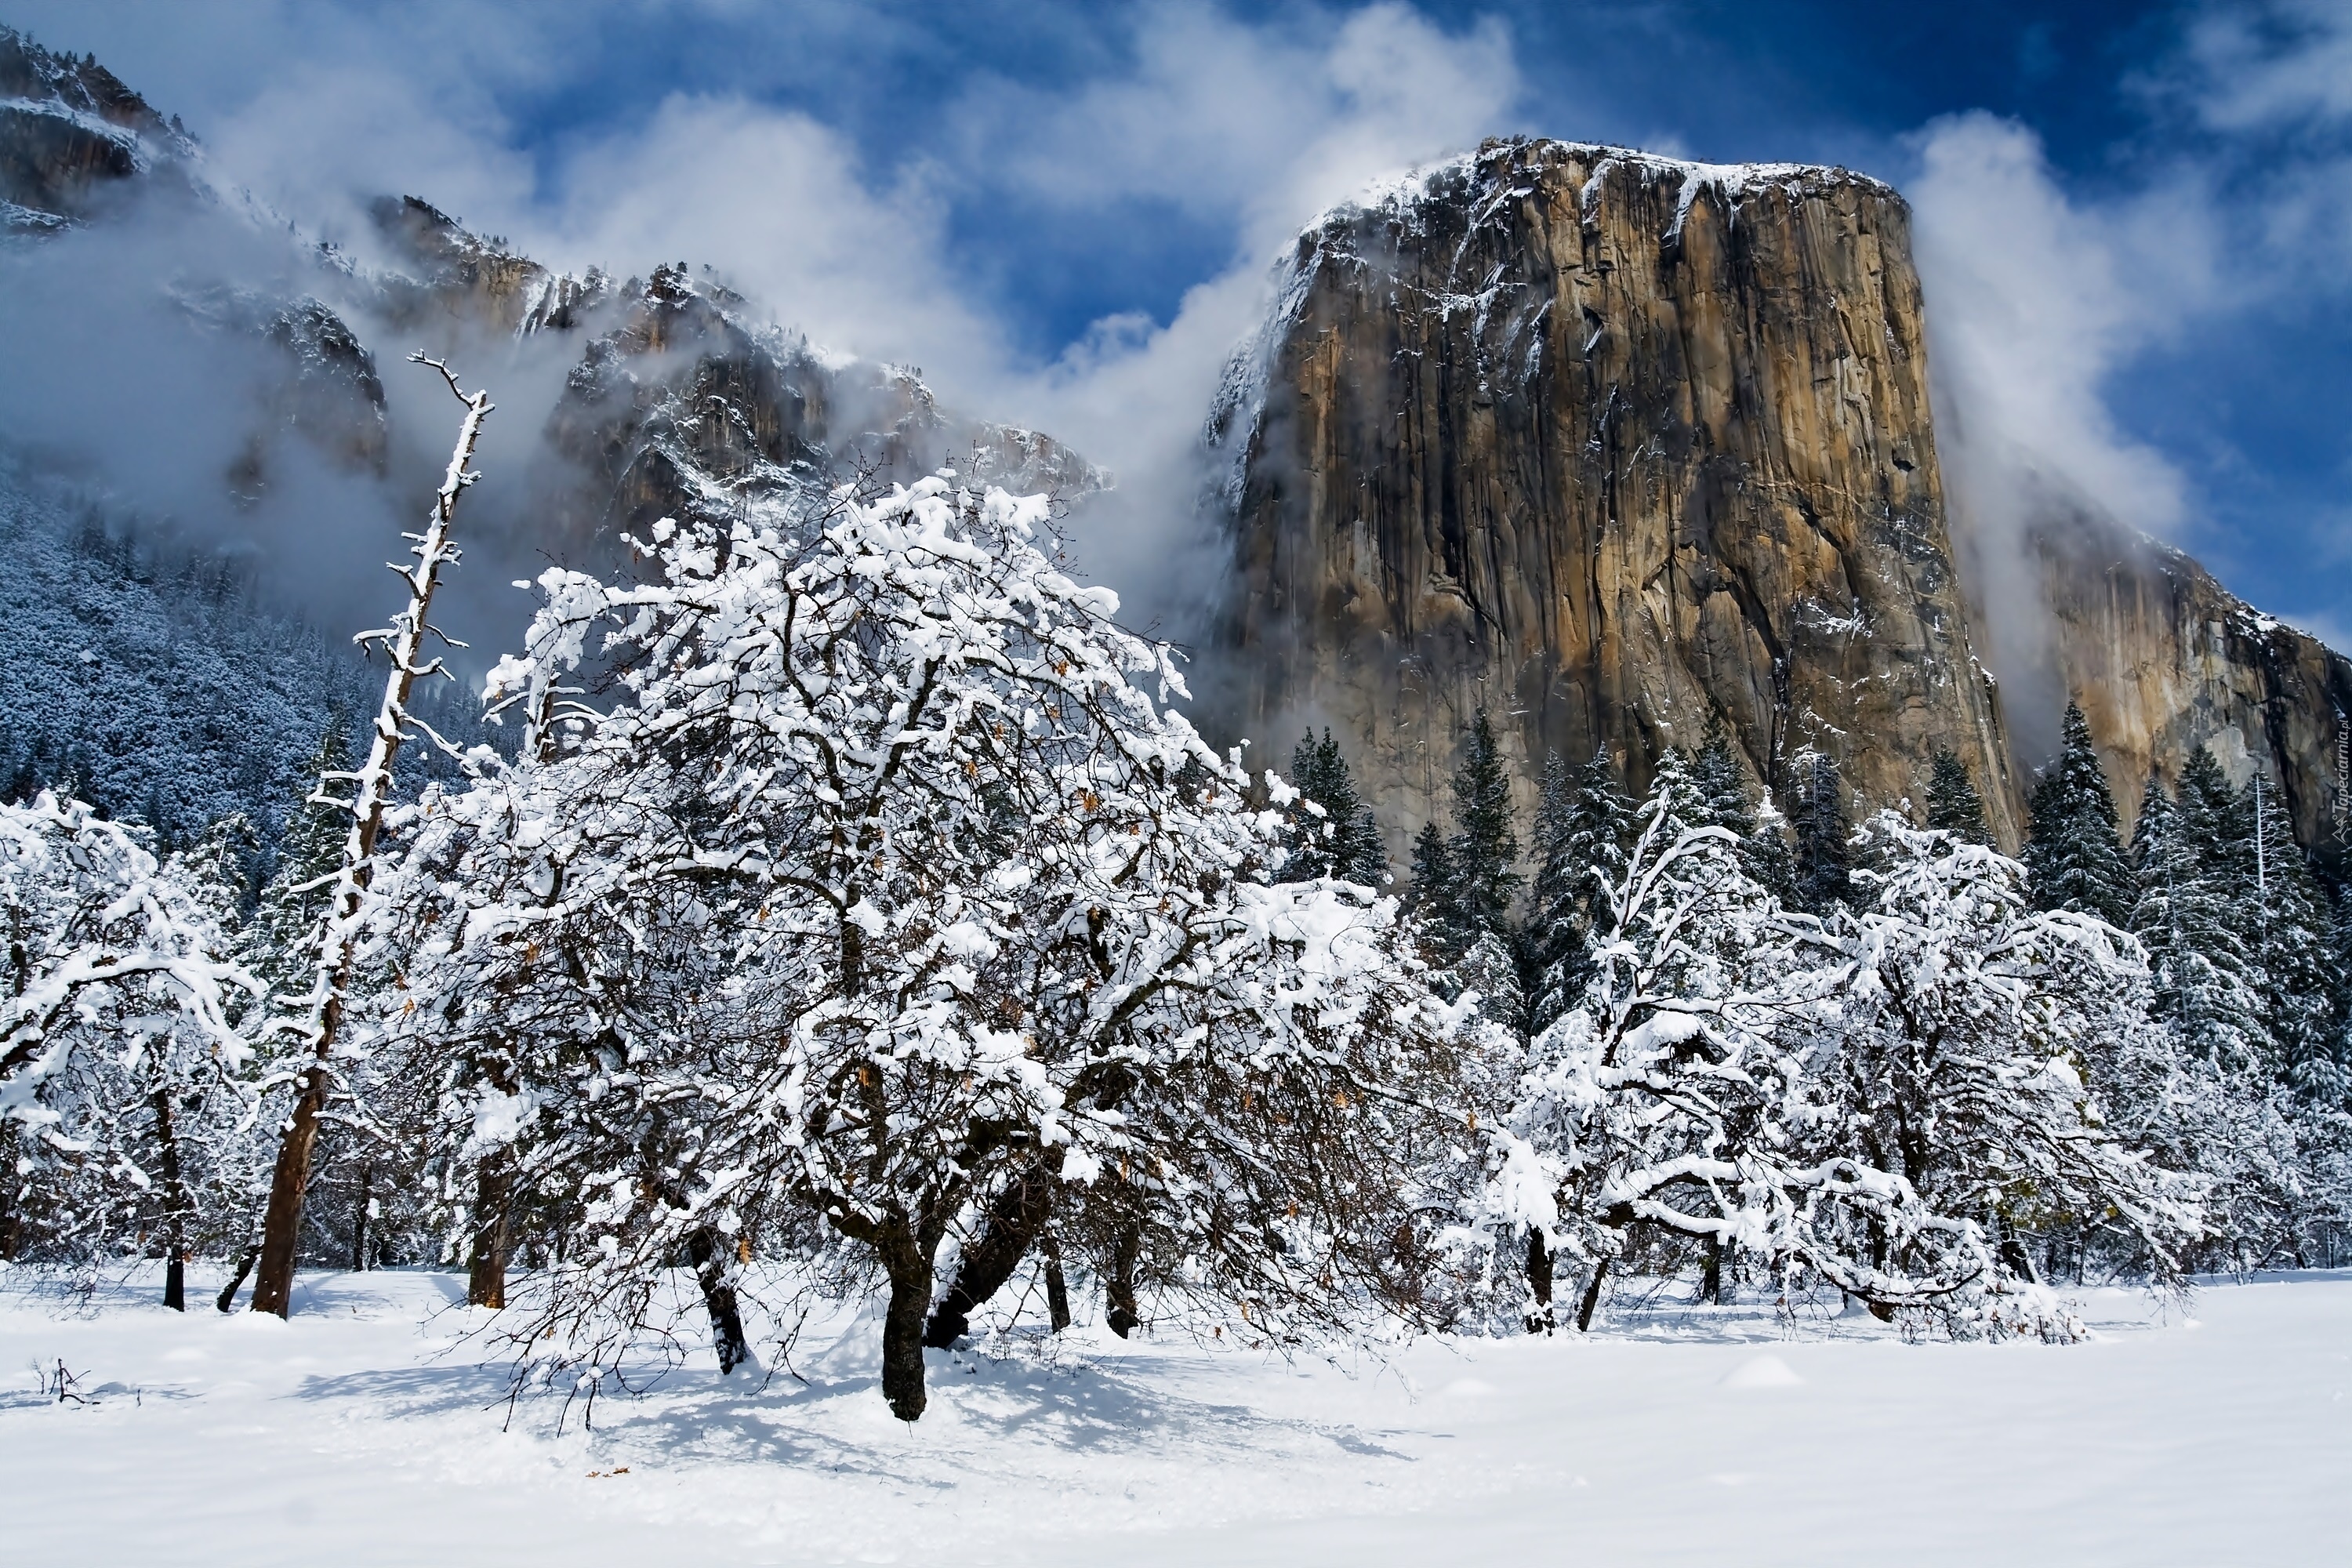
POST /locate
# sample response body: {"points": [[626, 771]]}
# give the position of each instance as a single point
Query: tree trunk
{"points": [[707, 1253], [1118, 1291], [1539, 1312], [338, 938], [1710, 1279], [485, 1274], [175, 1210], [1592, 1301], [2013, 1253], [227, 1298], [1057, 1290], [903, 1322], [360, 1220], [281, 1226], [1010, 1228]]}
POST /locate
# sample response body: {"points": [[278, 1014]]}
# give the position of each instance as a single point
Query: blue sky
{"points": [[2135, 221]]}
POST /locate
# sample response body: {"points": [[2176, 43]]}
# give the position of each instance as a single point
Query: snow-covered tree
{"points": [[1485, 842], [2207, 987], [892, 877], [332, 948], [1554, 957], [1666, 1099], [1953, 804], [1583, 823], [2295, 955], [1968, 1044], [1823, 858], [1341, 838], [2072, 858], [310, 850], [124, 1044], [1762, 832]]}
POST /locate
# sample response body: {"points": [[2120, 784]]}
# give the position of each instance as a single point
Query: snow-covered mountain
{"points": [[668, 394]]}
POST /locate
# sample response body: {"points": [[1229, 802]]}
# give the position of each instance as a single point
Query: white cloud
{"points": [[1253, 126], [2262, 66], [783, 206], [2034, 302]]}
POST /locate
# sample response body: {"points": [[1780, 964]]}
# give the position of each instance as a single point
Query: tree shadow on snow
{"points": [[836, 1420]]}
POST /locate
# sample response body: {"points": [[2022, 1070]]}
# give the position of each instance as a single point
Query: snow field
{"points": [[363, 1432]]}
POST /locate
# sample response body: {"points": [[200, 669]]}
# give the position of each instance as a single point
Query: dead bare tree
{"points": [[337, 934]]}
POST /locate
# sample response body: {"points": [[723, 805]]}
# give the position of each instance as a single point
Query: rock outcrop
{"points": [[70, 131], [2164, 660], [687, 405], [1618, 448]]}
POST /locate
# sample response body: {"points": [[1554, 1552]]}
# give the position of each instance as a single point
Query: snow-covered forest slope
{"points": [[156, 682]]}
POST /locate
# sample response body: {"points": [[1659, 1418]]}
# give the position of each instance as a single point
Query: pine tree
{"points": [[1953, 804], [2294, 950], [2074, 860], [1485, 846], [310, 850], [2340, 968], [2206, 984], [1555, 958], [1345, 842], [1430, 898], [1722, 788], [1601, 829], [1721, 785], [1824, 864], [1768, 858]]}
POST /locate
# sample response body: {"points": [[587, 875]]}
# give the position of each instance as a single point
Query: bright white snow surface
{"points": [[354, 1436]]}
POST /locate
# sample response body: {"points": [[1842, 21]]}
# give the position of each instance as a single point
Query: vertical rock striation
{"points": [[1615, 446], [2164, 660]]}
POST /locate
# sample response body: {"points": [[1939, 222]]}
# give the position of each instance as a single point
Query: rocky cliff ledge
{"points": [[2163, 658], [1617, 447], [69, 132]]}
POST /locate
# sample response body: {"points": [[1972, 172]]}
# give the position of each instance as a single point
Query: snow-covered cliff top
{"points": [[1498, 171]]}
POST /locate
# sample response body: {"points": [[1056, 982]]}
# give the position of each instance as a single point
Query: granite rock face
{"points": [[1618, 448], [2164, 660], [70, 132]]}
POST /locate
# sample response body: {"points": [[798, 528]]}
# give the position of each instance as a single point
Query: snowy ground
{"points": [[354, 1436]]}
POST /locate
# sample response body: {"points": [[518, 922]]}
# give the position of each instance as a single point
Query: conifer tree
{"points": [[1430, 898], [310, 850], [1485, 846], [2340, 960], [1722, 789], [1721, 786], [2074, 860], [1554, 957], [2206, 982], [1824, 864], [1768, 858], [1345, 842], [1953, 804], [1603, 827], [2298, 974], [1584, 828]]}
